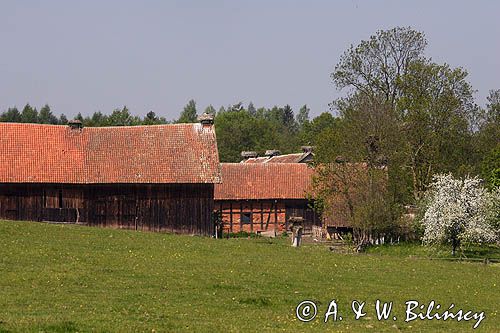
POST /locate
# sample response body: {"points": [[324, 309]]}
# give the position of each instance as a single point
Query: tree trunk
{"points": [[454, 243]]}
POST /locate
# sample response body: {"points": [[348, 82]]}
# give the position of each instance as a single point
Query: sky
{"points": [[87, 56]]}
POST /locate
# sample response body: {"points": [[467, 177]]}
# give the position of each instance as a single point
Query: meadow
{"points": [[67, 278]]}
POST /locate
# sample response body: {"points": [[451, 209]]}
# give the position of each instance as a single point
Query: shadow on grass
{"points": [[472, 251]]}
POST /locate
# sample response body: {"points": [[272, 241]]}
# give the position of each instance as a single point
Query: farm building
{"points": [[258, 197], [275, 156], [158, 178]]}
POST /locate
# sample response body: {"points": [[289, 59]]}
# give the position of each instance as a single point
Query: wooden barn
{"points": [[158, 178], [256, 197]]}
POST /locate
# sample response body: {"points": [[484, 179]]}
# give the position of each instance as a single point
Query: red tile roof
{"points": [[253, 160], [264, 181], [180, 153], [287, 158]]}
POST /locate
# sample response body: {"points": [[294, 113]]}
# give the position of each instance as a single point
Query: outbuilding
{"points": [[260, 197]]}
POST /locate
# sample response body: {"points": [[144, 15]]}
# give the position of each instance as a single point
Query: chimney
{"points": [[272, 152], [75, 124], [307, 149], [206, 119], [249, 154], [340, 159]]}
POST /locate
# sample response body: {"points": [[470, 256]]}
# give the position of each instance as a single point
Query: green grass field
{"points": [[61, 278]]}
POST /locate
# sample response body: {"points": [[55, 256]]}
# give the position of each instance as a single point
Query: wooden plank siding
{"points": [[266, 215], [176, 208]]}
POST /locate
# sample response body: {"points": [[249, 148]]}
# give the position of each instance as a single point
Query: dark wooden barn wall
{"points": [[265, 214], [178, 208]]}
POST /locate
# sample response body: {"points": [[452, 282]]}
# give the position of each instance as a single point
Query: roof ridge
{"points": [[114, 126], [5, 123]]}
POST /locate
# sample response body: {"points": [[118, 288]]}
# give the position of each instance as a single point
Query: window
{"points": [[246, 218]]}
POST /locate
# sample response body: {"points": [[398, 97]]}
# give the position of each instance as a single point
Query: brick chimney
{"points": [[272, 152], [307, 149], [206, 119], [249, 154], [75, 124]]}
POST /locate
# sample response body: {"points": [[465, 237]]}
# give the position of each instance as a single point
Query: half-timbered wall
{"points": [[264, 215]]}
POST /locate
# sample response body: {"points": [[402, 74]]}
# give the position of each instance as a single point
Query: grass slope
{"points": [[57, 278]]}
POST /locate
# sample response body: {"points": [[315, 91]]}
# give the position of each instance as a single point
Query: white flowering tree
{"points": [[460, 210]]}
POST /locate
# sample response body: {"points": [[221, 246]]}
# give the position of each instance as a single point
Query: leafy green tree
{"points": [[422, 113], [323, 133], [374, 66], [493, 106], [491, 168], [302, 117], [189, 114], [236, 131], [363, 120], [485, 140], [123, 118], [239, 130], [436, 109]]}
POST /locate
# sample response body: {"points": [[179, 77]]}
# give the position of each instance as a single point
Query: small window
{"points": [[246, 218]]}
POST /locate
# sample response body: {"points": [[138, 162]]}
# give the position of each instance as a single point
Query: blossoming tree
{"points": [[459, 210]]}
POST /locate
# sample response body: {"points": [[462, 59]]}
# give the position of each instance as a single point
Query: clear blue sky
{"points": [[86, 56]]}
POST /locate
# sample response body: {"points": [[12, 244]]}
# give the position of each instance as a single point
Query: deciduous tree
{"points": [[459, 211]]}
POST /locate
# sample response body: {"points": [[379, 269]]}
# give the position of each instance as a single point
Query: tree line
{"points": [[118, 117]]}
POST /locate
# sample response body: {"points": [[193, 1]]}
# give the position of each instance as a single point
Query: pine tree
{"points": [[210, 109], [251, 109], [189, 114], [12, 115], [29, 114], [62, 119], [46, 117]]}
